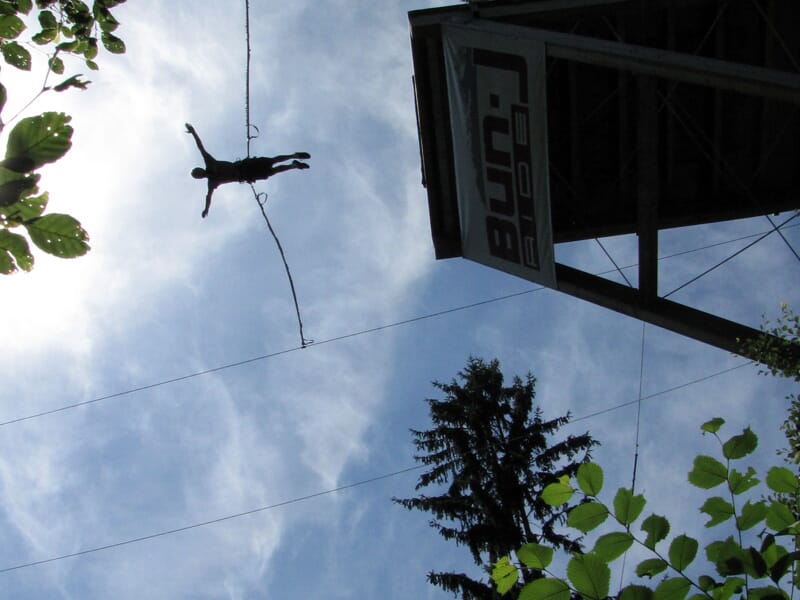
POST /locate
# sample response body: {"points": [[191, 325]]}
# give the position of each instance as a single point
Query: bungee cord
{"points": [[261, 197]]}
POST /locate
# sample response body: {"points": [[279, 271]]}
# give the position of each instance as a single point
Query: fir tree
{"points": [[490, 454]]}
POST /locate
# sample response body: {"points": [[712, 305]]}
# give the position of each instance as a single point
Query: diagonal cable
{"points": [[693, 130], [728, 258]]}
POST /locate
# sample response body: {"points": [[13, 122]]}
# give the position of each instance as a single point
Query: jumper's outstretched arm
{"points": [[209, 193], [206, 156]]}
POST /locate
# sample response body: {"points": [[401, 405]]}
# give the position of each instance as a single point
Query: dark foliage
{"points": [[490, 454]]}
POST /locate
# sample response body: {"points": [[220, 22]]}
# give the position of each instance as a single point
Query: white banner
{"points": [[498, 115]]}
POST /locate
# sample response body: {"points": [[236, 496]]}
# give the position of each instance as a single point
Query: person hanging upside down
{"points": [[247, 170]]}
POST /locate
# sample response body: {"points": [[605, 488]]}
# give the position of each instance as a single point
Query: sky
{"points": [[164, 294]]}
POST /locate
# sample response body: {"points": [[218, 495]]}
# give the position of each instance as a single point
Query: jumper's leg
{"points": [[284, 157], [294, 165]]}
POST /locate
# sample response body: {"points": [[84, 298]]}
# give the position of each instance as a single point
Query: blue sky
{"points": [[164, 293]]}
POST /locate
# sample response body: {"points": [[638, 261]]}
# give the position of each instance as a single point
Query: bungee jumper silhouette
{"points": [[246, 170]]}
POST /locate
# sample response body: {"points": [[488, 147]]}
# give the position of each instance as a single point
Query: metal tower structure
{"points": [[548, 121]]}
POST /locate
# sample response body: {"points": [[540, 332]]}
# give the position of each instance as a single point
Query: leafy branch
{"points": [[67, 27], [762, 570]]}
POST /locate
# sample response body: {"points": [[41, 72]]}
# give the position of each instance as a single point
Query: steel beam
{"points": [[665, 64], [682, 319]]}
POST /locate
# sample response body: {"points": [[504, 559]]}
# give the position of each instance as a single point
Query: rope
{"points": [[247, 77], [261, 197], [261, 203]]}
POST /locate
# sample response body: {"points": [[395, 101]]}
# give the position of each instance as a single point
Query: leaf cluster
{"points": [[778, 345], [68, 26], [759, 570], [32, 143]]}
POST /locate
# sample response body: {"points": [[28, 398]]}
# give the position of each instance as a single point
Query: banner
{"points": [[498, 116]]}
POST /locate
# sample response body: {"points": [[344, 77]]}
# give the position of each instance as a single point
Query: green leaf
{"points": [[11, 191], [3, 96], [24, 6], [727, 556], [45, 36], [713, 425], [14, 252], [72, 82], [11, 26], [707, 472], [675, 588], [752, 515], [16, 56], [773, 553], [112, 43], [657, 528], [91, 49], [628, 507], [42, 139], [545, 589], [767, 593], [18, 164], [47, 20], [590, 576], [781, 480], [682, 551], [732, 559], [706, 583], [504, 575], [108, 23], [612, 545], [713, 549], [636, 592], [92, 65], [756, 566], [740, 445], [783, 565], [60, 235], [535, 556], [558, 493], [650, 567], [718, 509], [25, 209], [741, 482], [590, 478], [56, 65], [586, 517], [732, 585], [67, 46], [780, 517]]}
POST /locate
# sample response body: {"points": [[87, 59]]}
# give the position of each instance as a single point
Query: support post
{"points": [[647, 186]]}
